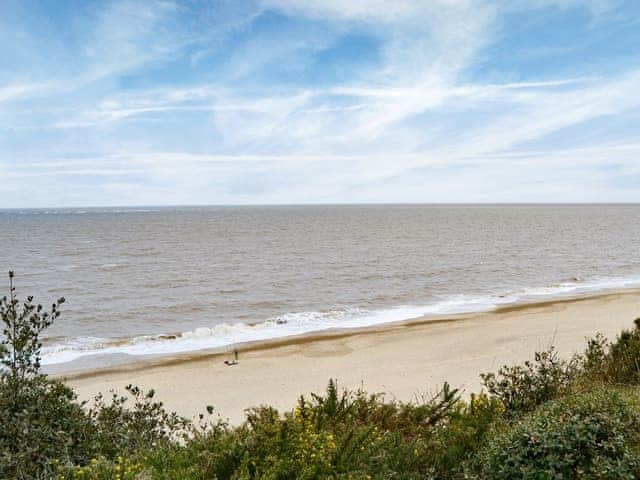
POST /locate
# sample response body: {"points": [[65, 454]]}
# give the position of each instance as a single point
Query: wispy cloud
{"points": [[317, 101], [20, 91]]}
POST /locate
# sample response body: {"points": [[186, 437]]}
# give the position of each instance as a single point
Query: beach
{"points": [[404, 361]]}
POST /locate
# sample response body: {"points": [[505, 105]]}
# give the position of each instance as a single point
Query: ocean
{"points": [[160, 281]]}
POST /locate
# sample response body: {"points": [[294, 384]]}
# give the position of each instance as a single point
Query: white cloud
{"points": [[363, 10], [416, 127], [538, 113], [126, 35], [19, 91]]}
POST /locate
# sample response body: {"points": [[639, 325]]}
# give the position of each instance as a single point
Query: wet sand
{"points": [[402, 360]]}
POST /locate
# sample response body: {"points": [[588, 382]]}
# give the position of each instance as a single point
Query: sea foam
{"points": [[291, 324]]}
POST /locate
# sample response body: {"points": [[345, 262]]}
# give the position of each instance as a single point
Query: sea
{"points": [[146, 282]]}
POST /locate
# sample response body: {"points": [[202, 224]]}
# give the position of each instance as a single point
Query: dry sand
{"points": [[401, 360]]}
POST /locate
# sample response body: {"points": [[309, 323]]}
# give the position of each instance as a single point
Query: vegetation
{"points": [[547, 419], [594, 435]]}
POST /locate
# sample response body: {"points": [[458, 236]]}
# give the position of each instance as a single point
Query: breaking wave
{"points": [[290, 324]]}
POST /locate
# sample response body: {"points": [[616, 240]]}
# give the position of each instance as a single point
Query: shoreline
{"points": [[403, 359], [136, 363], [68, 353]]}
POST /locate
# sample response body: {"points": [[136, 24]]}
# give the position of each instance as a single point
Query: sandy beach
{"points": [[400, 360]]}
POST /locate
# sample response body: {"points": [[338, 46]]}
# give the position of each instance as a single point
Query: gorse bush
{"points": [[102, 469], [546, 419], [338, 434]]}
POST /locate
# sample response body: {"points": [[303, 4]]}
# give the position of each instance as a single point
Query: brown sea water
{"points": [[146, 281]]}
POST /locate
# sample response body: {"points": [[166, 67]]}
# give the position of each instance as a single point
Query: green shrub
{"points": [[616, 362], [622, 363], [212, 453], [21, 327], [39, 420], [585, 436], [116, 428], [465, 432], [521, 388], [102, 469], [339, 434], [594, 358], [42, 426]]}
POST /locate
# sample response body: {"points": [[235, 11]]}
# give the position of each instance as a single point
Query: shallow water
{"points": [[163, 280]]}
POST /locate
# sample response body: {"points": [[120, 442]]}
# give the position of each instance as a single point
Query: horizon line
{"points": [[320, 204]]}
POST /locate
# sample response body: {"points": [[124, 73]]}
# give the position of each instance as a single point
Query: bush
{"points": [[102, 469], [622, 363], [42, 426], [465, 432], [339, 434], [586, 436], [616, 362], [212, 453], [39, 420], [523, 388], [116, 428]]}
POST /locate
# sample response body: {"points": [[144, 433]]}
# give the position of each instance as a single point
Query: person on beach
{"points": [[235, 358]]}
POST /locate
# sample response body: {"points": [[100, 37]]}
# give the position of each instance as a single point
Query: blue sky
{"points": [[293, 101]]}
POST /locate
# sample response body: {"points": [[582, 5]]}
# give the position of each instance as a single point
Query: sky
{"points": [[162, 102]]}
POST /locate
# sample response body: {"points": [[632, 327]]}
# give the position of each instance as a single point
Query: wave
{"points": [[108, 266], [290, 324], [71, 211]]}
